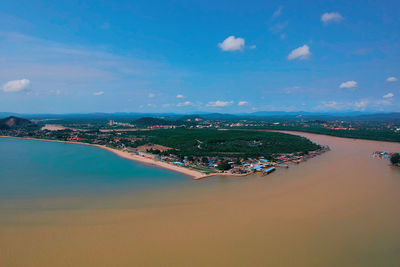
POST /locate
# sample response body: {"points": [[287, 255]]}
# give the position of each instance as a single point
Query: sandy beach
{"points": [[127, 155], [196, 175], [124, 154]]}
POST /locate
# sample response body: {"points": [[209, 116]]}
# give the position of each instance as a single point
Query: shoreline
{"points": [[267, 208], [195, 175], [298, 132], [123, 154]]}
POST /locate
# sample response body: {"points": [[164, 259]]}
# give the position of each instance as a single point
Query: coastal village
{"points": [[235, 166], [120, 137], [382, 154], [394, 157]]}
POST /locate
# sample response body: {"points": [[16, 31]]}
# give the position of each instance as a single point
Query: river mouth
{"points": [[340, 208]]}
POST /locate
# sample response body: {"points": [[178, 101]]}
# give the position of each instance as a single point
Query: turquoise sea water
{"points": [[30, 169]]}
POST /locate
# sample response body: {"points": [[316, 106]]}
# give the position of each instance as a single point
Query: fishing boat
{"points": [[268, 171]]}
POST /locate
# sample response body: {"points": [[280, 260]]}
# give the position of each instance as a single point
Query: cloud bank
{"points": [[348, 84], [219, 103], [184, 104], [388, 95], [16, 85]]}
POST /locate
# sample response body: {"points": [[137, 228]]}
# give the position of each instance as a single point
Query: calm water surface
{"points": [[339, 209], [31, 169]]}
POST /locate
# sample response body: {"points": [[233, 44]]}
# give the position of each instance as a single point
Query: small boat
{"points": [[282, 165], [268, 171]]}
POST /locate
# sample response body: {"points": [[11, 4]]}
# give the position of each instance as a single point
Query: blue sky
{"points": [[184, 56]]}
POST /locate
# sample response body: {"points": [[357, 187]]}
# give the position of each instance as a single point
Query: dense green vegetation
{"points": [[368, 134], [224, 166], [210, 142], [395, 159]]}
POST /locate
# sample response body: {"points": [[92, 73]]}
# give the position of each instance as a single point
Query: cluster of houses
{"points": [[241, 166], [156, 127], [393, 157], [260, 164], [382, 154], [237, 166]]}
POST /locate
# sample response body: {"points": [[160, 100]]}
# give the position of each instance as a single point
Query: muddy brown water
{"points": [[339, 209]]}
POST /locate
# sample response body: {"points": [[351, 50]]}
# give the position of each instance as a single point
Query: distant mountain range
{"points": [[268, 115]]}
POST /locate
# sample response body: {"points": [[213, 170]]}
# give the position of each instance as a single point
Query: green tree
{"points": [[224, 166], [395, 158], [204, 160]]}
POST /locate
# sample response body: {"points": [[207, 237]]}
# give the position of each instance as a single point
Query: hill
{"points": [[13, 122]]}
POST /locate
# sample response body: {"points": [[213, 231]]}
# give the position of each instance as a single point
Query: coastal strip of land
{"points": [[192, 172], [124, 154]]}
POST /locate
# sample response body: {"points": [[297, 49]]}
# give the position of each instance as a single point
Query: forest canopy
{"points": [[233, 143]]}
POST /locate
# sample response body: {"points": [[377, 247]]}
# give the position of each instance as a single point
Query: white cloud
{"points": [[348, 84], [384, 102], [388, 95], [151, 95], [184, 104], [242, 103], [98, 93], [16, 85], [219, 103], [293, 89], [180, 96], [56, 92], [277, 12], [302, 52], [361, 105], [331, 104], [232, 44], [391, 79], [331, 17], [357, 105], [253, 47], [279, 27]]}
